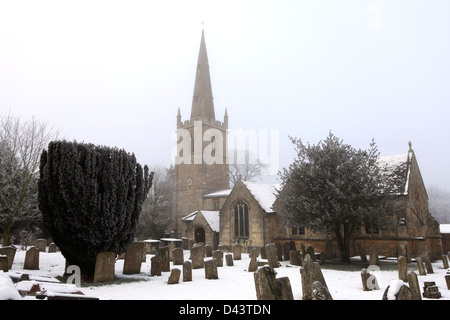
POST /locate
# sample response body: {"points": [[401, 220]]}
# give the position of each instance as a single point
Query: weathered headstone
{"points": [[266, 285], [163, 252], [373, 258], [447, 281], [10, 253], [322, 258], [369, 281], [185, 243], [208, 251], [271, 253], [286, 289], [444, 261], [174, 277], [310, 272], [41, 244], [4, 263], [237, 251], [402, 268], [171, 246], [278, 251], [320, 292], [286, 249], [211, 269], [362, 252], [431, 290], [364, 277], [155, 266], [310, 251], [187, 271], [295, 258], [191, 243], [218, 255], [197, 257], [397, 290], [427, 261], [133, 258], [263, 253], [413, 284], [229, 259], [177, 256], [32, 259], [104, 266], [420, 266], [253, 265], [52, 248]]}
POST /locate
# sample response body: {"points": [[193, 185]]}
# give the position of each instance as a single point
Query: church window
{"points": [[298, 231], [241, 219], [371, 227]]}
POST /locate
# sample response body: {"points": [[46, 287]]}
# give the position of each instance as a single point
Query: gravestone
{"points": [[413, 284], [187, 271], [163, 253], [32, 259], [428, 266], [310, 251], [211, 269], [310, 272], [4, 263], [320, 292], [447, 280], [133, 258], [208, 251], [362, 252], [420, 266], [218, 255], [286, 249], [263, 253], [152, 246], [286, 289], [229, 260], [41, 244], [177, 256], [237, 250], [171, 246], [191, 243], [295, 258], [185, 243], [10, 253], [402, 268], [272, 255], [269, 288], [253, 265], [104, 266], [399, 290], [174, 277], [52, 248], [292, 245], [278, 251], [197, 257], [373, 258], [364, 277], [431, 290], [444, 261], [155, 266], [322, 258]]}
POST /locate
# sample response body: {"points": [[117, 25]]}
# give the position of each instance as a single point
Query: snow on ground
{"points": [[234, 283]]}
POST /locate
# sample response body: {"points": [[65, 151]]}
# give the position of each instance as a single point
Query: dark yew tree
{"points": [[335, 189], [90, 198]]}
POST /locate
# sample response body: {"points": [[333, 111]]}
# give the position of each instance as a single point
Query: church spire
{"points": [[202, 102]]}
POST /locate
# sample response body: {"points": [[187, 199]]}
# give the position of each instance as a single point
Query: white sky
{"points": [[115, 72]]}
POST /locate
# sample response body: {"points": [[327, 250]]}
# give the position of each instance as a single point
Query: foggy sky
{"points": [[115, 72]]}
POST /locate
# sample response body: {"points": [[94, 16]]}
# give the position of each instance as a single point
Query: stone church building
{"points": [[207, 210]]}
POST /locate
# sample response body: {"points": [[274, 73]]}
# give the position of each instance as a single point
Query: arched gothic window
{"points": [[241, 220]]}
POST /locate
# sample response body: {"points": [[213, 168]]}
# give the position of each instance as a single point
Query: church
{"points": [[207, 210]]}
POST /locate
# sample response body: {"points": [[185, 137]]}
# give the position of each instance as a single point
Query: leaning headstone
{"points": [[3, 263], [187, 271], [295, 258], [32, 259], [402, 269], [286, 289], [320, 292], [310, 272], [133, 258], [427, 261], [373, 258], [155, 266], [266, 285], [420, 266], [41, 244], [431, 290], [52, 248], [229, 260], [272, 255], [237, 250], [211, 269], [286, 249], [413, 284], [104, 266], [444, 261], [163, 252], [218, 255], [362, 252], [177, 256], [278, 251], [397, 290], [253, 265], [174, 277], [197, 257], [10, 253]]}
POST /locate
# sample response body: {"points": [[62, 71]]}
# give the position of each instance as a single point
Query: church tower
{"points": [[200, 163]]}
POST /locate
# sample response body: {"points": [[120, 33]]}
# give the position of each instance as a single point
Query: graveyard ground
{"points": [[234, 283]]}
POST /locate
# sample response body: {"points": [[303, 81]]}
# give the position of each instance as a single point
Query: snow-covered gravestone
{"points": [[397, 290]]}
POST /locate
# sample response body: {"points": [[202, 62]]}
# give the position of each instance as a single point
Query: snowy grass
{"points": [[234, 283]]}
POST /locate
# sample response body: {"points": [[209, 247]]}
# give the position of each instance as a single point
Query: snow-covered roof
{"points": [[396, 170], [265, 194], [444, 228], [212, 217], [218, 194]]}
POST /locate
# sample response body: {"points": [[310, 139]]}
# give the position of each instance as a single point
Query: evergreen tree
{"points": [[90, 198], [335, 189]]}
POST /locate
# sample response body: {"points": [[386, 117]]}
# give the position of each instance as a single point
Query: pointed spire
{"points": [[178, 118], [225, 118], [202, 103]]}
